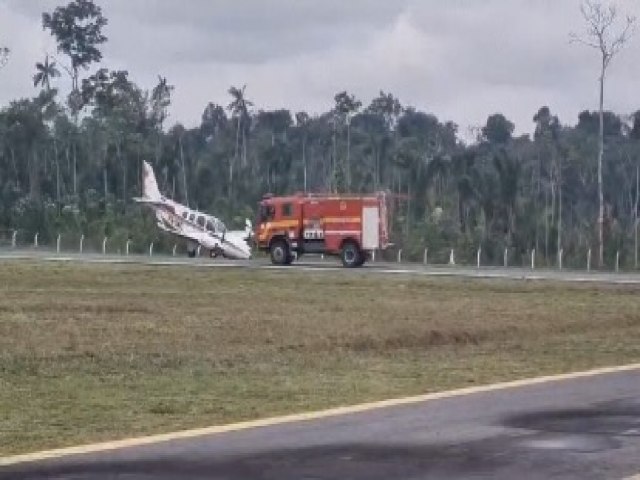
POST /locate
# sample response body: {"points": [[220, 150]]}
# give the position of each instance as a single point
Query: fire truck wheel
{"points": [[280, 253], [351, 255]]}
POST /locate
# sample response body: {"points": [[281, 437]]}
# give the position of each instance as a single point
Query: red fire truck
{"points": [[348, 226]]}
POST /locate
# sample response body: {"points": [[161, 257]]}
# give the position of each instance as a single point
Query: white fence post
{"points": [[104, 246], [399, 255], [589, 260], [617, 260], [58, 244], [373, 255], [174, 249], [425, 258], [533, 259], [14, 238], [506, 258], [81, 242], [478, 256], [126, 248], [151, 249], [35, 240], [198, 250], [560, 252], [452, 260]]}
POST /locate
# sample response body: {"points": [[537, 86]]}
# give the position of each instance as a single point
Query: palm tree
{"points": [[302, 122], [347, 106], [239, 109], [45, 72]]}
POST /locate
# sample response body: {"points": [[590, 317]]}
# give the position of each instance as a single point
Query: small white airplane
{"points": [[200, 230]]}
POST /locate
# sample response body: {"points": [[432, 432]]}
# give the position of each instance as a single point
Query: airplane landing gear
{"points": [[192, 249]]}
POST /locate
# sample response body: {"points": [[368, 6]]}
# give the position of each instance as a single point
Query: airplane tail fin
{"points": [[149, 185]]}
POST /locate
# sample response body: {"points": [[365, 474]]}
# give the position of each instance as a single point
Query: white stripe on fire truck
{"points": [[341, 220], [342, 232]]}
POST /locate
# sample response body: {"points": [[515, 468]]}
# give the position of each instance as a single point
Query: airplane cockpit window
{"points": [[215, 225], [185, 214], [201, 221], [192, 217]]}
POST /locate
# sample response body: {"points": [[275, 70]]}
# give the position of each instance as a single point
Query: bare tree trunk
{"points": [[304, 162], [75, 171], [636, 213], [537, 200], [15, 166], [159, 147], [55, 153], [234, 160], [559, 208], [348, 155], [124, 176], [184, 173], [244, 149], [377, 173], [34, 176], [546, 224], [600, 155], [68, 156], [408, 208], [104, 179], [601, 19], [554, 185], [334, 163]]}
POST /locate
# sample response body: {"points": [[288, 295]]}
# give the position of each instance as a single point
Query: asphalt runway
{"points": [[580, 428], [311, 264]]}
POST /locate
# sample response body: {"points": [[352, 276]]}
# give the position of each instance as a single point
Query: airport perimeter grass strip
{"points": [[93, 353]]}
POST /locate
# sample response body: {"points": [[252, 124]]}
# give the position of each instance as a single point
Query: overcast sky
{"points": [[460, 59]]}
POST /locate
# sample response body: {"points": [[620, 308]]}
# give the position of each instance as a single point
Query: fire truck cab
{"points": [[348, 226]]}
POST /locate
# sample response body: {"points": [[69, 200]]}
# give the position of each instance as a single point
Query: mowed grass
{"points": [[97, 352]]}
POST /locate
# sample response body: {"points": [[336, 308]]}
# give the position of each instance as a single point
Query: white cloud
{"points": [[462, 60]]}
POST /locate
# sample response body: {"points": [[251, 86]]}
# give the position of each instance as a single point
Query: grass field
{"points": [[96, 352]]}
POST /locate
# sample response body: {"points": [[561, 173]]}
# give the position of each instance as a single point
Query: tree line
{"points": [[70, 164]]}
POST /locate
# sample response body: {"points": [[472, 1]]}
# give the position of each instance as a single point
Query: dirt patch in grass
{"points": [[96, 352]]}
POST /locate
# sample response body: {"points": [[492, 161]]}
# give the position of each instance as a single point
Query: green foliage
{"points": [[77, 28], [74, 175]]}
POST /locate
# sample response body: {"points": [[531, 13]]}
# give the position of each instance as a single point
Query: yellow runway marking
{"points": [[149, 440]]}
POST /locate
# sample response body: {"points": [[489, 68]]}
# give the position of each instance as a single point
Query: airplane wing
{"points": [[149, 201], [168, 228]]}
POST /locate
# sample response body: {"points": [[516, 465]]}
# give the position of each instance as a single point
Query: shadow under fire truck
{"points": [[348, 226]]}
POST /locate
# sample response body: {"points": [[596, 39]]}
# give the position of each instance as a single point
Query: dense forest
{"points": [[70, 164]]}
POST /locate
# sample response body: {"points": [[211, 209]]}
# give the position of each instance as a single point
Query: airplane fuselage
{"points": [[201, 229]]}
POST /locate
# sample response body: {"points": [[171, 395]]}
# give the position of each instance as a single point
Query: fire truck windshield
{"points": [[267, 212]]}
